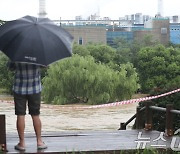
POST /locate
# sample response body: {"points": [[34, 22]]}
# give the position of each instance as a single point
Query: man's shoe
{"points": [[41, 147], [17, 147]]}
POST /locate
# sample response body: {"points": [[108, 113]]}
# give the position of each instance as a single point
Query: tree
{"points": [[6, 76], [80, 50], [127, 50], [101, 53], [158, 68], [80, 80]]}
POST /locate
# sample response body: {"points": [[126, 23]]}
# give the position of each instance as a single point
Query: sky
{"points": [[68, 9]]}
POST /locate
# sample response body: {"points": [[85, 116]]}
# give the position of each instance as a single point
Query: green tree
{"points": [[101, 53], [80, 80], [127, 50], [80, 50], [158, 68], [6, 76], [159, 71]]}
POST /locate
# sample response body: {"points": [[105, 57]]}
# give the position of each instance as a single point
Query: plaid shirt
{"points": [[27, 79]]}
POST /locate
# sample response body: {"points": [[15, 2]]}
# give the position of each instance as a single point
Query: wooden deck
{"points": [[86, 141]]}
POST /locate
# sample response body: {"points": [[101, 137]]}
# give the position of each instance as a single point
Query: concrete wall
{"points": [[160, 29], [141, 34], [88, 34]]}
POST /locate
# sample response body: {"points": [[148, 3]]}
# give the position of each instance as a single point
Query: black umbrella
{"points": [[35, 40]]}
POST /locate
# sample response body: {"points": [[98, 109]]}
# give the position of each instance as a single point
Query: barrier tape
{"points": [[134, 100], [119, 103]]}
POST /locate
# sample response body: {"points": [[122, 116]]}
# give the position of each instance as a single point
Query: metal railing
{"points": [[148, 109]]}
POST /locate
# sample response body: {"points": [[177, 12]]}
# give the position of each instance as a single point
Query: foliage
{"points": [[101, 53], [80, 50], [127, 50], [159, 71], [6, 76], [159, 68], [81, 80]]}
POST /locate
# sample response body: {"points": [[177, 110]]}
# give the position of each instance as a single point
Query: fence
{"points": [[148, 109]]}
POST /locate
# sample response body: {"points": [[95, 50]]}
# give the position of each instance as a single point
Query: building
{"points": [[175, 19], [175, 33], [105, 31], [159, 29], [86, 34]]}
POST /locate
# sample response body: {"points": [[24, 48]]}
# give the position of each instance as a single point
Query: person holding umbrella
{"points": [[30, 43], [27, 87]]}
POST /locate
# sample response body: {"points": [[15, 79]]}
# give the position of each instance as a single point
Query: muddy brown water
{"points": [[72, 117]]}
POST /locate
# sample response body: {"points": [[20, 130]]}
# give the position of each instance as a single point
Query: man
{"points": [[27, 88]]}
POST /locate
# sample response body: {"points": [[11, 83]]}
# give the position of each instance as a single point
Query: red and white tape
{"points": [[5, 101], [133, 100], [118, 103]]}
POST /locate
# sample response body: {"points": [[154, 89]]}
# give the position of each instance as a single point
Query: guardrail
{"points": [[148, 109]]}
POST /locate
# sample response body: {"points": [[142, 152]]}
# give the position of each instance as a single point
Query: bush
{"points": [[81, 80], [6, 76], [159, 68]]}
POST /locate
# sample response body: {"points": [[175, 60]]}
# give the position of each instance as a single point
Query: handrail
{"points": [[132, 118], [164, 109], [158, 108], [123, 125], [148, 108], [175, 111]]}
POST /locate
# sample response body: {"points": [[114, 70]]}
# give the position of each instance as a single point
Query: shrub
{"points": [[81, 80]]}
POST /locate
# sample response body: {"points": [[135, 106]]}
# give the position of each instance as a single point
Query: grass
{"points": [[145, 151], [139, 95], [2, 91]]}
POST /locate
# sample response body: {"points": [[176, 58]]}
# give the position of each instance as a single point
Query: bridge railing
{"points": [[148, 109]]}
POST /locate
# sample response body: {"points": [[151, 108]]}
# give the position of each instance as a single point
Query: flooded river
{"points": [[72, 117]]}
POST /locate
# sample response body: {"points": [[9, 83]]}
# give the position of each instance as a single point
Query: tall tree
{"points": [[159, 67], [80, 79]]}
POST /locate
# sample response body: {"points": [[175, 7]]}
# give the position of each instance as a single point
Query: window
{"points": [[163, 30], [80, 41]]}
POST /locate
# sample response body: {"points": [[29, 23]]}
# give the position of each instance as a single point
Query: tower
{"points": [[42, 9], [160, 8]]}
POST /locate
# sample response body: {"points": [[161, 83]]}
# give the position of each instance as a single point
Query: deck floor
{"points": [[85, 141]]}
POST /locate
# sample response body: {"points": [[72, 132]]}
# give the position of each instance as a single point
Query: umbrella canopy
{"points": [[35, 40]]}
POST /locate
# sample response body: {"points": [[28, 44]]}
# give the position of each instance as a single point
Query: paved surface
{"points": [[84, 141]]}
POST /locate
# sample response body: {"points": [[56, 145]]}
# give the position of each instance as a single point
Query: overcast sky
{"points": [[68, 9]]}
